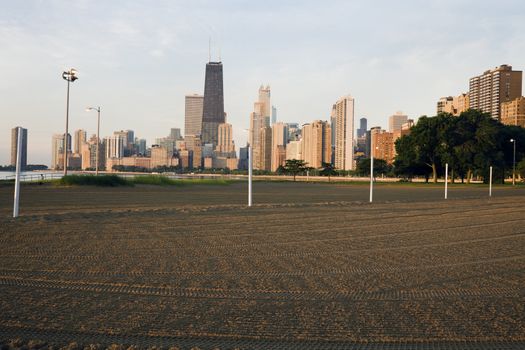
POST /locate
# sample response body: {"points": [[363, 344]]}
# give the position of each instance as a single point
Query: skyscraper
{"points": [[14, 147], [344, 137], [259, 119], [316, 143], [279, 139], [225, 147], [213, 104], [274, 115], [193, 114], [396, 121], [115, 146], [488, 91], [57, 149], [362, 127], [79, 139]]}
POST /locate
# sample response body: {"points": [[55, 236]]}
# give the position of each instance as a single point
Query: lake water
{"points": [[7, 175]]}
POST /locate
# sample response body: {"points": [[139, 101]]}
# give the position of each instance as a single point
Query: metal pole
{"points": [[490, 182], [446, 180], [65, 135], [250, 173], [514, 165], [17, 176], [371, 175], [98, 141]]}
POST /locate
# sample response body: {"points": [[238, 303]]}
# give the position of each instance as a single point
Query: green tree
{"points": [[295, 167], [363, 167], [328, 170], [406, 162]]}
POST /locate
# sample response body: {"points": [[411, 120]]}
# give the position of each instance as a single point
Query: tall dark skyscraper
{"points": [[362, 128], [213, 106], [14, 144]]}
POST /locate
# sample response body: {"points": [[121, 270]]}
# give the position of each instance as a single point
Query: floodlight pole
{"points": [[69, 76], [17, 174]]}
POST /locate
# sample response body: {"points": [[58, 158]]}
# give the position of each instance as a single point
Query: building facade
{"points": [[57, 150], [488, 91], [396, 121], [80, 137], [513, 112], [213, 103], [344, 136], [279, 140], [316, 143], [193, 107]]}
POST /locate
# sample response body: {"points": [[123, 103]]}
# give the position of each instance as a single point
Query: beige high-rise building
{"points": [[193, 114], [513, 112], [265, 149], [317, 144], [279, 140], [259, 119], [194, 145], [88, 153], [80, 137], [453, 105], [395, 121], [488, 91], [57, 151], [225, 146], [344, 135], [294, 149]]}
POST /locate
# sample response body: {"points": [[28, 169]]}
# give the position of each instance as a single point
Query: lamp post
{"points": [[513, 163], [69, 76], [98, 133]]}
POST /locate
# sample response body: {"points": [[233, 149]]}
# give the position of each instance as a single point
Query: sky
{"points": [[138, 59]]}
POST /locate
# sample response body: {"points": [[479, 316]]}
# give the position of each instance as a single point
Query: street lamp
{"points": [[70, 76], [514, 163], [98, 133]]}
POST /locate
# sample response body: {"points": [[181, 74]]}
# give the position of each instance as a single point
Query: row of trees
{"points": [[470, 144]]}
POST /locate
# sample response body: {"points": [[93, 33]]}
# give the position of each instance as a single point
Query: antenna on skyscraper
{"points": [[209, 49], [219, 53]]}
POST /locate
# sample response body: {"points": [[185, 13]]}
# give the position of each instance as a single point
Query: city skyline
{"points": [[141, 71]]}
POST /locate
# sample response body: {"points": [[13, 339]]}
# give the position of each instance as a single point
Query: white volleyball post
{"points": [[446, 180], [17, 176], [371, 176], [250, 173], [490, 182]]}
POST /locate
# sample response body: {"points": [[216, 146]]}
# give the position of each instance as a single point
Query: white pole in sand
{"points": [[371, 176], [17, 176], [446, 180], [250, 173], [490, 182]]}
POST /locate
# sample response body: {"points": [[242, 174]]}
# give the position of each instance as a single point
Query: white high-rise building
{"points": [[115, 146], [344, 136], [193, 114]]}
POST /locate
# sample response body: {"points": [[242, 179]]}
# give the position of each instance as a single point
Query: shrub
{"points": [[92, 180]]}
